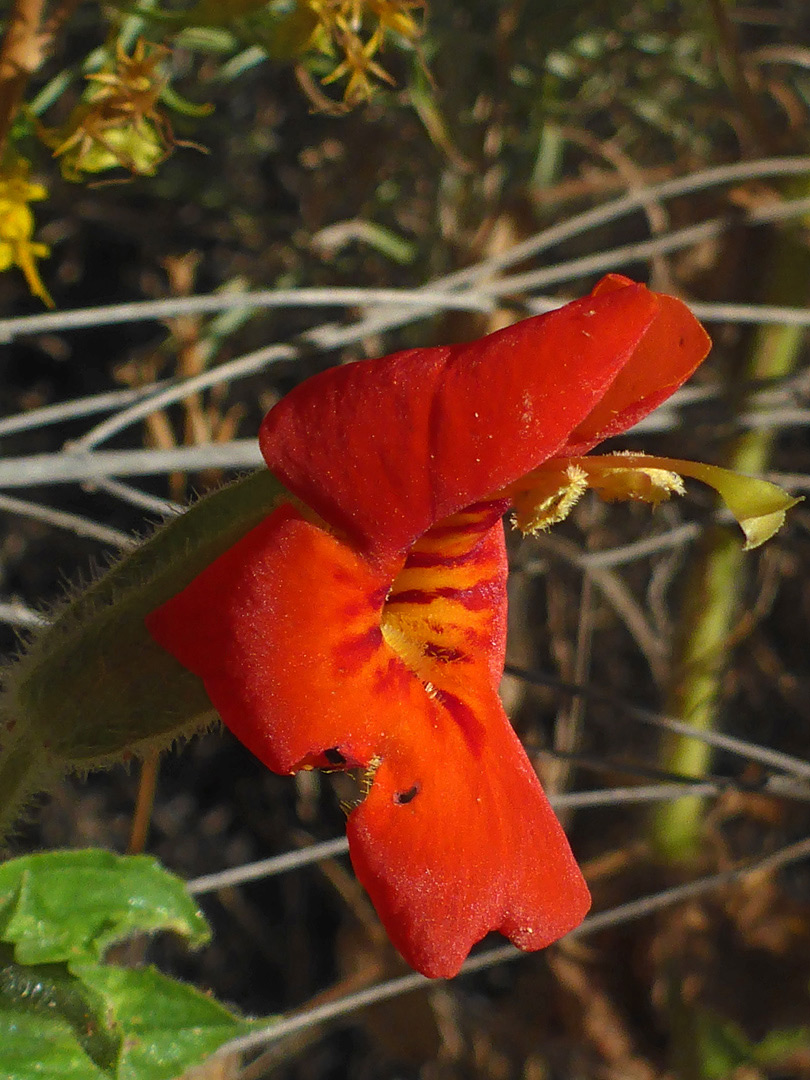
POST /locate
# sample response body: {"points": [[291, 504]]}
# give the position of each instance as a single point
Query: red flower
{"points": [[362, 624]]}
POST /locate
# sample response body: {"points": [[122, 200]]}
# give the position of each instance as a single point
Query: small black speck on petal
{"points": [[402, 798]]}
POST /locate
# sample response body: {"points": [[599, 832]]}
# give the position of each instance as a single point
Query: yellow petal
{"points": [[24, 257]]}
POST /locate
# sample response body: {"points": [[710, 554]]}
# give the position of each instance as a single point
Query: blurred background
{"points": [[480, 161]]}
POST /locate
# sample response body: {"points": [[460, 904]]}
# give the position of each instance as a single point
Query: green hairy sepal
{"points": [[91, 688]]}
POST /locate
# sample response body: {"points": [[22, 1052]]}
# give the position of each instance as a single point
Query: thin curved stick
{"points": [[171, 308], [602, 261], [68, 467], [773, 759], [624, 913], [177, 391], [776, 786], [620, 598], [62, 519], [34, 419], [135, 497]]}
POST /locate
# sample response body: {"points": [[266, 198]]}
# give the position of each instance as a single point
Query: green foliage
{"points": [[109, 109], [63, 1011], [73, 905], [722, 1047], [92, 687]]}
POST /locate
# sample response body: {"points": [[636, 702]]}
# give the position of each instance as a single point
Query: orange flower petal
{"points": [[284, 630], [670, 350], [451, 843], [382, 449], [313, 657], [375, 638]]}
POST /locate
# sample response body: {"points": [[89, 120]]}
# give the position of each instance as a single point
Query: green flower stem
{"points": [[716, 582], [92, 688], [23, 771]]}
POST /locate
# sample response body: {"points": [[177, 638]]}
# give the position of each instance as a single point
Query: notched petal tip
{"points": [[450, 847]]}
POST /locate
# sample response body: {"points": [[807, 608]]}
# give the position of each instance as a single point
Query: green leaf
{"points": [[207, 39], [72, 905], [51, 92], [237, 65], [33, 1047], [170, 97], [167, 1026], [107, 1023], [62, 1013], [48, 992], [778, 1045], [92, 686], [723, 1046], [382, 239]]}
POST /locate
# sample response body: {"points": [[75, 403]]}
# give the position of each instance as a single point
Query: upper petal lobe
{"points": [[382, 449], [673, 346]]}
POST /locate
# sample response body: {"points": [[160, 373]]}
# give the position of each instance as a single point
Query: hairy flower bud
{"points": [[92, 687]]}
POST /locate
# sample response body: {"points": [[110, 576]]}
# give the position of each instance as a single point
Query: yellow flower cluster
{"points": [[17, 225], [356, 30], [119, 124]]}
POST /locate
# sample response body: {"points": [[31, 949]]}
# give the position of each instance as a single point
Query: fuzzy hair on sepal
{"points": [[91, 688]]}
